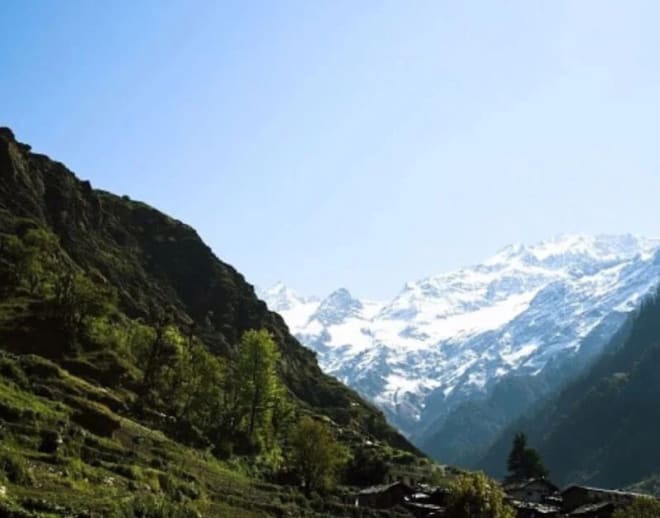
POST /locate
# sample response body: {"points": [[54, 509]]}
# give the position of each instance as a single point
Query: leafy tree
{"points": [[315, 455], [195, 388], [77, 298], [366, 469], [476, 496], [257, 379], [155, 350], [12, 251], [29, 263], [523, 462], [40, 259], [640, 508]]}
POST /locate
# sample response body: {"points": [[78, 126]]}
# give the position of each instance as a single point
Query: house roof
{"points": [[591, 508], [616, 492], [384, 488], [527, 483], [539, 508]]}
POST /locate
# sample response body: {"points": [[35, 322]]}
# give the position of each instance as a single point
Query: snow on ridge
{"points": [[460, 331]]}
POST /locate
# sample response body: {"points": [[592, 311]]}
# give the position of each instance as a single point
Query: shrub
{"points": [[155, 507], [16, 469], [640, 508], [475, 495]]}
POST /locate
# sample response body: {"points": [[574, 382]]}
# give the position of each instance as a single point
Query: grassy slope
{"points": [[156, 261], [108, 459]]}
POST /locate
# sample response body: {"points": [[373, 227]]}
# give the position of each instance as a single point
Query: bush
{"points": [[366, 469], [16, 469], [640, 508], [155, 507], [475, 495], [9, 370]]}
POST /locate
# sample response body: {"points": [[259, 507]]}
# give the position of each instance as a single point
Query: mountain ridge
{"points": [[116, 321], [448, 339]]}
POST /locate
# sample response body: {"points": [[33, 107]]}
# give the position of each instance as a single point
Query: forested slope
{"points": [[135, 361], [602, 429]]}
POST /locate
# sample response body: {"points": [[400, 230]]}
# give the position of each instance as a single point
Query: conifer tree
{"points": [[523, 462]]}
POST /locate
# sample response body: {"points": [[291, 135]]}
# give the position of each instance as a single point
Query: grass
{"points": [[136, 468]]}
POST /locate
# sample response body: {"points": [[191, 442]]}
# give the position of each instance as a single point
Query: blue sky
{"points": [[343, 143]]}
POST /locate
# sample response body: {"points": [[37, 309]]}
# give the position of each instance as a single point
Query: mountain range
{"points": [[454, 358]]}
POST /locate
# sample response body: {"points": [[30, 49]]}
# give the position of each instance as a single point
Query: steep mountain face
{"points": [[455, 357], [602, 428], [156, 260], [121, 384]]}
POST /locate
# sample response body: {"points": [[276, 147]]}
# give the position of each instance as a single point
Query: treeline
{"points": [[235, 406]]}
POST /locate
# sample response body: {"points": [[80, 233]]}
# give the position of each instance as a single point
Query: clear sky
{"points": [[349, 143]]}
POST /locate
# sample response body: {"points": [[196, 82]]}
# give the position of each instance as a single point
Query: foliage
{"points": [[257, 378], [77, 299], [15, 469], [640, 508], [315, 455], [476, 496], [523, 462], [131, 356], [366, 468], [155, 507], [29, 263]]}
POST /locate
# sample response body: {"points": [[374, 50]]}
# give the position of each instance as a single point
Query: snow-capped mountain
{"points": [[451, 337]]}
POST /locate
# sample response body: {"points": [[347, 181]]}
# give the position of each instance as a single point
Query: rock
{"points": [[96, 420], [50, 441]]}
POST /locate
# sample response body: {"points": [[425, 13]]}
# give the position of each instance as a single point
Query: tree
{"points": [[40, 259], [77, 298], [366, 469], [12, 252], [29, 262], [640, 508], [315, 455], [259, 387], [523, 462], [155, 349], [476, 496]]}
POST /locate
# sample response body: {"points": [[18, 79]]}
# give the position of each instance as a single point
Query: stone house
{"points": [[383, 496], [535, 490]]}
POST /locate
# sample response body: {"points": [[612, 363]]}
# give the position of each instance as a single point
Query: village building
{"points": [[383, 496], [535, 510], [575, 497], [599, 510], [535, 490]]}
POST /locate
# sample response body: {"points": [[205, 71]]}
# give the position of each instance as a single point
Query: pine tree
{"points": [[523, 462]]}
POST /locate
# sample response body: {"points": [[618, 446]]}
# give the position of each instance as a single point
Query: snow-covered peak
{"points": [[338, 306], [568, 249], [457, 333], [281, 298]]}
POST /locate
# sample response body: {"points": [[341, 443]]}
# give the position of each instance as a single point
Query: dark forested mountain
{"points": [[120, 333], [154, 261], [603, 428]]}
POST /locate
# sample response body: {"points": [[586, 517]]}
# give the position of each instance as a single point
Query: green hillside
{"points": [[141, 376]]}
